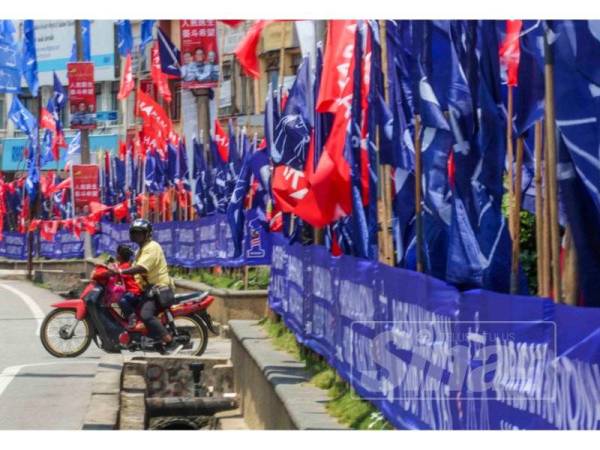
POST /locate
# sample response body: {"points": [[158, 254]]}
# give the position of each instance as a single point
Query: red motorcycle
{"points": [[68, 330]]}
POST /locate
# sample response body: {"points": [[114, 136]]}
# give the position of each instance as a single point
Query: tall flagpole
{"points": [[418, 195], [509, 160], [539, 214], [552, 165], [385, 182], [516, 217]]}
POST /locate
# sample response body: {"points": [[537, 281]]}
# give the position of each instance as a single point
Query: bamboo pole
{"points": [[418, 206], [509, 160], [546, 266], [516, 215], [539, 201], [384, 170], [570, 280], [552, 175]]}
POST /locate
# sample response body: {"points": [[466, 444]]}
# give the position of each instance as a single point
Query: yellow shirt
{"points": [[152, 258]]}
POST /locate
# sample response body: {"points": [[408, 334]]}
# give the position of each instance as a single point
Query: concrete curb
{"points": [[103, 409], [274, 389]]}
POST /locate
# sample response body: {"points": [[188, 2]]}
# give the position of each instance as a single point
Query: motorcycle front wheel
{"points": [[57, 338], [197, 332]]}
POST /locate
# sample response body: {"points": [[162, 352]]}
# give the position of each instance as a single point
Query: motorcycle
{"points": [[68, 330]]}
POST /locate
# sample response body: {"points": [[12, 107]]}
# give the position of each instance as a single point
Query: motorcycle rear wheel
{"points": [[197, 331], [52, 334]]}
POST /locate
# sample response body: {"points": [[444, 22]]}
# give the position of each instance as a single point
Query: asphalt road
{"points": [[37, 390]]}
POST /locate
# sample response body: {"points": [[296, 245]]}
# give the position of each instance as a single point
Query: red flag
{"points": [[48, 229], [232, 23], [47, 120], [89, 224], [157, 125], [127, 83], [290, 186], [122, 149], [65, 184], [34, 225], [58, 142], [335, 89], [47, 183], [222, 141], [121, 210], [77, 227], [159, 78], [329, 197], [246, 49], [510, 51], [97, 210]]}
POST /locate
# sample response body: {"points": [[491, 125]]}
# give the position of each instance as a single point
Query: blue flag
{"points": [[59, 95], [125, 37], [436, 141], [47, 155], [146, 34], [577, 104], [234, 153], [10, 73], [86, 42], [235, 209], [292, 130], [479, 247], [29, 58], [399, 152], [203, 200], [219, 191], [172, 164], [74, 150], [529, 94], [23, 119], [353, 150], [182, 163], [169, 55]]}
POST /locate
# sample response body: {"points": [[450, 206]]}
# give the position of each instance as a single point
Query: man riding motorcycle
{"points": [[151, 272]]}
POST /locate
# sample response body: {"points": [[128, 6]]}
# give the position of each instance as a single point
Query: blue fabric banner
{"points": [[13, 245], [64, 246], [432, 357], [201, 243]]}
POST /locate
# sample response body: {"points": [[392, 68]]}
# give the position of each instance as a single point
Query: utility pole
{"points": [[85, 139]]}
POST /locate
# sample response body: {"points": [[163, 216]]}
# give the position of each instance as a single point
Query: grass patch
{"points": [[224, 278], [344, 404]]}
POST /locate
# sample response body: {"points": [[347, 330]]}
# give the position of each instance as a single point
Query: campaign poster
{"points": [[82, 95], [85, 186], [199, 54]]}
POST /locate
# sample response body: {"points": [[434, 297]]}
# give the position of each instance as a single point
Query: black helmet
{"points": [[141, 225], [125, 252]]}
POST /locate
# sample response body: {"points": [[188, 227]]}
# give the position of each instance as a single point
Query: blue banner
{"points": [[13, 245], [432, 357], [201, 243], [64, 246]]}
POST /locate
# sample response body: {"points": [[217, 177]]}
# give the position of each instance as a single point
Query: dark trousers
{"points": [[128, 303], [148, 316]]}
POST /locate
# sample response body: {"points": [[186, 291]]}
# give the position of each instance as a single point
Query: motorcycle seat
{"points": [[199, 295]]}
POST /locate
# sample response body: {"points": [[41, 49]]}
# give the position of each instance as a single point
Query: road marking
{"points": [[36, 311], [11, 372]]}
